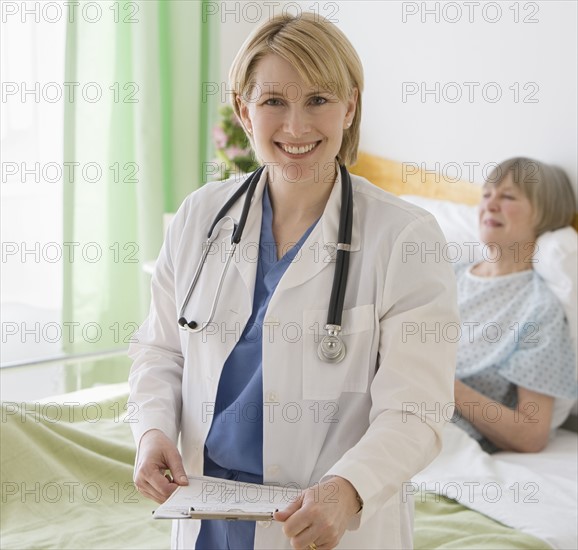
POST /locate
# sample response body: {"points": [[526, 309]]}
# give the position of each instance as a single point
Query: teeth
{"points": [[298, 150]]}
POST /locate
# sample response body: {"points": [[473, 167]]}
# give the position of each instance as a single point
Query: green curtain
{"points": [[137, 151]]}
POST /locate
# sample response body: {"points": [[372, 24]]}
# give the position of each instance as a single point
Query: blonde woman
{"points": [[276, 389]]}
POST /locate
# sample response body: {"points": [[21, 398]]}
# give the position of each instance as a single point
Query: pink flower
{"points": [[220, 137], [233, 152]]}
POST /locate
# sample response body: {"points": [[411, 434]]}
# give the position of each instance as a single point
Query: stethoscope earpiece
{"points": [[184, 323]]}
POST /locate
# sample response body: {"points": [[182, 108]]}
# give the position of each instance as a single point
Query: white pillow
{"points": [[556, 261]]}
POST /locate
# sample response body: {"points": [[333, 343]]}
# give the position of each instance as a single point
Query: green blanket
{"points": [[441, 522], [67, 483]]}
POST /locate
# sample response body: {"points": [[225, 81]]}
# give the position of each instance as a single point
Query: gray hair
{"points": [[547, 188]]}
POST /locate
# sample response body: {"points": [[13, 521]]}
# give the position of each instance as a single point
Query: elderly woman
{"points": [[515, 356], [294, 370]]}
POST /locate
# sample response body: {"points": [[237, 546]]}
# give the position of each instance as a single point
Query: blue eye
{"points": [[273, 102]]}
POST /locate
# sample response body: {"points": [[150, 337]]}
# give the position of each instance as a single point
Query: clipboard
{"points": [[230, 515], [210, 498]]}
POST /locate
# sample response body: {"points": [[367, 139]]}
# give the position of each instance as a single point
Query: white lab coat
{"points": [[374, 419]]}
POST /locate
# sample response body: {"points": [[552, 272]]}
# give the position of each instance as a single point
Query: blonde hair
{"points": [[547, 188], [319, 52]]}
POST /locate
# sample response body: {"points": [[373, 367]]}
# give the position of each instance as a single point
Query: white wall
{"points": [[415, 48], [236, 25]]}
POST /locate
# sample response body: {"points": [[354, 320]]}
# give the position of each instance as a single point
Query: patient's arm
{"points": [[524, 429]]}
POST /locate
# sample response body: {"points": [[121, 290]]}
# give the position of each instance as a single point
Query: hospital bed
{"points": [[67, 461], [67, 483], [533, 494]]}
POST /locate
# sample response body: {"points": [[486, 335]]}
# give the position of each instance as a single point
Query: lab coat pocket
{"points": [[325, 381]]}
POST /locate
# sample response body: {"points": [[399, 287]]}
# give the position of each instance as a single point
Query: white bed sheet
{"points": [[536, 493]]}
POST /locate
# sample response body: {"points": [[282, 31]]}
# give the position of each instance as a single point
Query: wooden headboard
{"points": [[407, 179]]}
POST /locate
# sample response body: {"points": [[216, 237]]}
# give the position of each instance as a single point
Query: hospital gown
{"points": [[513, 333]]}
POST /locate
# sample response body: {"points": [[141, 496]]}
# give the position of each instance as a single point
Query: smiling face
{"points": [[296, 127], [506, 215]]}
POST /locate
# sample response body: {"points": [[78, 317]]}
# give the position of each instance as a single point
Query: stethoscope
{"points": [[331, 349]]}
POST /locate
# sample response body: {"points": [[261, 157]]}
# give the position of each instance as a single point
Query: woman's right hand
{"points": [[157, 454]]}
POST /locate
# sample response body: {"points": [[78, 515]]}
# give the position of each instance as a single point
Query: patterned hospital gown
{"points": [[513, 333]]}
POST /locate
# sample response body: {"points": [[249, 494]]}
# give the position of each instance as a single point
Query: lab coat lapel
{"points": [[247, 253], [318, 251]]}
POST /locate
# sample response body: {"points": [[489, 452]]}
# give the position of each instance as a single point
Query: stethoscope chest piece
{"points": [[331, 349]]}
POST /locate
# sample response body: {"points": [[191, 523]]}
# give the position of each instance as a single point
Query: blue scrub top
{"points": [[234, 446]]}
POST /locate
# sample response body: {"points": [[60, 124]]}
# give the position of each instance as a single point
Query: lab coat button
{"points": [[264, 524], [272, 396]]}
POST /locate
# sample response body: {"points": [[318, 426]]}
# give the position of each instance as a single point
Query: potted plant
{"points": [[233, 150]]}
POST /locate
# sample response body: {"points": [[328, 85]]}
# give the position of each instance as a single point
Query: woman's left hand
{"points": [[319, 517]]}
